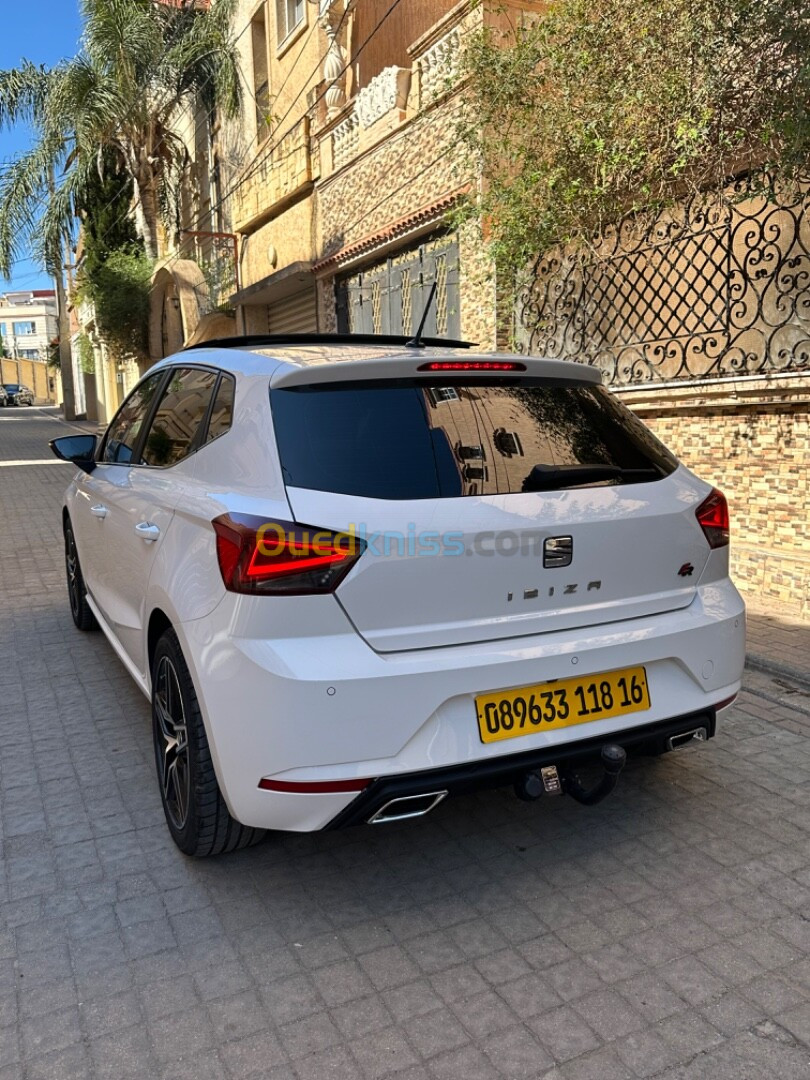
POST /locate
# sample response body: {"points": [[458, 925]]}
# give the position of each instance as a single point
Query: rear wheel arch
{"points": [[159, 623], [196, 812]]}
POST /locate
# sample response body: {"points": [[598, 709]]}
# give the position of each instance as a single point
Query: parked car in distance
{"points": [[357, 575], [3, 396], [18, 394]]}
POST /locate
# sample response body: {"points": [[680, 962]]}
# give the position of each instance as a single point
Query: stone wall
{"points": [[403, 174], [751, 438], [407, 171]]}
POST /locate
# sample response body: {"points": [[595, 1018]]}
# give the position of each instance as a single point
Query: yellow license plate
{"points": [[561, 703]]}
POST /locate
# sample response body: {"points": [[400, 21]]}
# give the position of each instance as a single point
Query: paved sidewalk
{"points": [[664, 933], [778, 640]]}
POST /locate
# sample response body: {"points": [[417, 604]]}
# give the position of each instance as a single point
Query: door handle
{"points": [[99, 510], [147, 531]]}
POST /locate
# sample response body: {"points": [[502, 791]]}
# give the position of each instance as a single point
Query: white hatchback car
{"points": [[355, 576]]}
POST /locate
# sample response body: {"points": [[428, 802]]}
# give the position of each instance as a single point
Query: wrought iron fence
{"points": [[715, 286]]}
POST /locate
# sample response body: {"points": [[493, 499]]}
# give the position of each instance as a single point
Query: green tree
{"points": [[140, 67], [120, 289], [597, 108], [114, 273]]}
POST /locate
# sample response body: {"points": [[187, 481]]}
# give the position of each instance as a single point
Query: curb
{"points": [[89, 427], [775, 667]]}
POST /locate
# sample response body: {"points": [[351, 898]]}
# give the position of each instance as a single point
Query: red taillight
{"points": [[712, 515], [472, 365], [257, 555]]}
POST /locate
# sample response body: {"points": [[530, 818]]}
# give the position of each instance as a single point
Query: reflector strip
{"points": [[726, 702], [472, 365], [313, 787]]}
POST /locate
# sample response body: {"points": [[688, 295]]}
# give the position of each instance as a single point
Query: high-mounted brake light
{"points": [[263, 556], [472, 365], [712, 515]]}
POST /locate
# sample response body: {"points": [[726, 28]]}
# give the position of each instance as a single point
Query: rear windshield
{"points": [[404, 439]]}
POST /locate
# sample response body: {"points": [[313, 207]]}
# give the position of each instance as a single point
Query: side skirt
{"points": [[119, 651]]}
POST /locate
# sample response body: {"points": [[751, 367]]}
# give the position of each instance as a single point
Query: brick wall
{"points": [[751, 438]]}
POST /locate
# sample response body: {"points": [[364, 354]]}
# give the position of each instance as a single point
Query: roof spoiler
{"points": [[250, 341]]}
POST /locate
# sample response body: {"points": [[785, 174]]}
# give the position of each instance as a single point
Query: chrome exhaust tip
{"points": [[686, 738], [407, 806]]}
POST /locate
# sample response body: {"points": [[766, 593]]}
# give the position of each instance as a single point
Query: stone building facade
{"points": [[343, 199], [339, 187]]}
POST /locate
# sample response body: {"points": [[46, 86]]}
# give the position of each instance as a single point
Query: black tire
{"points": [[196, 813], [83, 617]]}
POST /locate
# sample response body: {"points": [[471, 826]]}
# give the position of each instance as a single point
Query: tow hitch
{"points": [[548, 781]]}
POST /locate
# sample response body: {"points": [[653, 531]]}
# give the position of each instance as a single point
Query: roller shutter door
{"points": [[296, 314]]}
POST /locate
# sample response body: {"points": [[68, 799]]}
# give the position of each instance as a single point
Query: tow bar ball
{"points": [[547, 780]]}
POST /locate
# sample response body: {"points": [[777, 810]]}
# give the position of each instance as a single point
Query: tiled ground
{"points": [[664, 933]]}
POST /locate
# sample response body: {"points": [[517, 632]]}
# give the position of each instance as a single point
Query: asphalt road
{"points": [[664, 933]]}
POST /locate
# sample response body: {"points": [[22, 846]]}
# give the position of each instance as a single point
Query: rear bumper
{"points": [[282, 703], [506, 771]]}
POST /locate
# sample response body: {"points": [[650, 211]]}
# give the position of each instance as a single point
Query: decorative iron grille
{"points": [[716, 286], [389, 296]]}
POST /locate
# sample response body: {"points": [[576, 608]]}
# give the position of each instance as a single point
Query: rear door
{"points": [[491, 508], [140, 501], [91, 510]]}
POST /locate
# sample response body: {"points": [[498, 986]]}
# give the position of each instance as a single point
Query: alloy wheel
{"points": [[72, 568], [171, 743]]}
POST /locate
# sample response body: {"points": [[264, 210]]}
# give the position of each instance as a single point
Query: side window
{"points": [[182, 409], [123, 432], [222, 412]]}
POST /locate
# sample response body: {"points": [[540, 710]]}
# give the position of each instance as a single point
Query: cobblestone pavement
{"points": [[664, 933]]}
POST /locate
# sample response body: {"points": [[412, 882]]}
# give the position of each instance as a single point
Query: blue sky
{"points": [[43, 32]]}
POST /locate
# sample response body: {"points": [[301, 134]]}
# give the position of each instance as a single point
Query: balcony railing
{"points": [[275, 175], [438, 66], [345, 139]]}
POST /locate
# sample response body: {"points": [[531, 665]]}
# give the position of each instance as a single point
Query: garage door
{"points": [[297, 314], [390, 296]]}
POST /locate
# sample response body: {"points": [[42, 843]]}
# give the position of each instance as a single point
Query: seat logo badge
{"points": [[686, 570], [558, 551]]}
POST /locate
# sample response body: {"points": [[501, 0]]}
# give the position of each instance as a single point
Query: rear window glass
{"points": [[425, 440]]}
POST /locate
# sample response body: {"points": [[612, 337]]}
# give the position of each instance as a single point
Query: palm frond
{"points": [[141, 69], [23, 91], [24, 193], [58, 220]]}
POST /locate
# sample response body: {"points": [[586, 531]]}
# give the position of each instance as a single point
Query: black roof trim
{"points": [[249, 341]]}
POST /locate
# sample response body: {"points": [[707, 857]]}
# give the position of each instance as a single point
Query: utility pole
{"points": [[65, 356]]}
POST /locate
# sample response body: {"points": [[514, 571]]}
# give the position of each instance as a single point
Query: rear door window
{"points": [[406, 439], [123, 432], [179, 416]]}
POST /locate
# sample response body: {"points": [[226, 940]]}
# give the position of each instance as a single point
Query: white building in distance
{"points": [[28, 323]]}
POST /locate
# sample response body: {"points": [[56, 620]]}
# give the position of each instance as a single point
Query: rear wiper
{"points": [[553, 477]]}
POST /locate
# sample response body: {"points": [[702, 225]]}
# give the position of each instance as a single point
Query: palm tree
{"points": [[142, 65]]}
